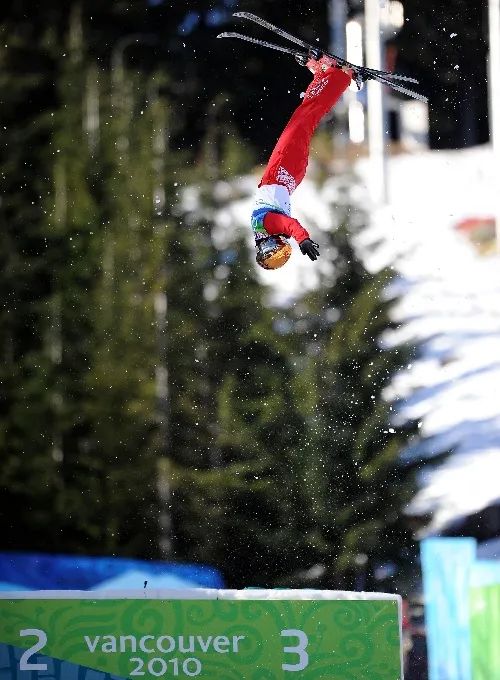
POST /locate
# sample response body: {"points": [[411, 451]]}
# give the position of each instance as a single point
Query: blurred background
{"points": [[170, 410]]}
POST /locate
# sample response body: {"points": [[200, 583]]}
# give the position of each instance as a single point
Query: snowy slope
{"points": [[450, 307]]}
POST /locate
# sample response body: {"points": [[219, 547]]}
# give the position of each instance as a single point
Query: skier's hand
{"points": [[309, 248]]}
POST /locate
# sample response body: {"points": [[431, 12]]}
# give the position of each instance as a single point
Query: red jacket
{"points": [[277, 224]]}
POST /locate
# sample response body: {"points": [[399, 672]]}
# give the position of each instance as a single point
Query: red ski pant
{"points": [[288, 162]]}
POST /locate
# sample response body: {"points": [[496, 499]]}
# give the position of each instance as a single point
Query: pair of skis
{"points": [[361, 73]]}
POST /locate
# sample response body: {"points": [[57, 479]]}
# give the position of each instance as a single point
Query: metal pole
{"points": [[337, 12], [337, 18], [494, 104], [376, 117]]}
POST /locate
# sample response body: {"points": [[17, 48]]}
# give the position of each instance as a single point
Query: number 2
{"points": [[24, 664], [299, 649]]}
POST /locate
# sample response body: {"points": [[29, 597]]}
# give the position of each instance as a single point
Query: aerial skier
{"points": [[271, 220]]}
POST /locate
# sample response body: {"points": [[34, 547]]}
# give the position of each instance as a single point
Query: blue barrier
{"points": [[446, 567], [37, 571]]}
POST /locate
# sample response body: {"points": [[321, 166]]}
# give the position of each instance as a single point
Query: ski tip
{"points": [[245, 15], [231, 34]]}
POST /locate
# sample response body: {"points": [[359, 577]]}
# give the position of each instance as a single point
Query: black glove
{"points": [[309, 248]]}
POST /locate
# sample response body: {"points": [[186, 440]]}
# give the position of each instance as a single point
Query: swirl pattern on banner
{"points": [[226, 640]]}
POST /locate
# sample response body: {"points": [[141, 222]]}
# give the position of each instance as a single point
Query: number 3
{"points": [[299, 649], [24, 664]]}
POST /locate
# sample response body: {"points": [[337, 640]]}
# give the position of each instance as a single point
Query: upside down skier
{"points": [[286, 168]]}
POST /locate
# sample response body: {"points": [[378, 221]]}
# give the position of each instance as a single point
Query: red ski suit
{"points": [[288, 162]]}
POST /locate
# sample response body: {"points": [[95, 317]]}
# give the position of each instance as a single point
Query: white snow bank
{"points": [[451, 309], [199, 594]]}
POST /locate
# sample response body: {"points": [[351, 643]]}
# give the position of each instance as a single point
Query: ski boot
{"points": [[360, 77], [311, 60], [318, 63]]}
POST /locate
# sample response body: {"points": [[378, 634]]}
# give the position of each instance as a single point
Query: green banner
{"points": [[232, 639], [485, 632]]}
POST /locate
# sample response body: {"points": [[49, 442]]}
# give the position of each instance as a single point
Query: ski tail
{"points": [[262, 43], [387, 74], [400, 88], [271, 27]]}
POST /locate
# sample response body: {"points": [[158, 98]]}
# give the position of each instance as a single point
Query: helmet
{"points": [[273, 252]]}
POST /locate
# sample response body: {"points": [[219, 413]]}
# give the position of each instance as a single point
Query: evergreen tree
{"points": [[84, 354], [28, 473], [130, 340], [189, 257], [234, 430], [244, 510], [357, 484], [117, 414]]}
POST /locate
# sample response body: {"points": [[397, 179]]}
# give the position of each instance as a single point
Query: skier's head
{"points": [[273, 252]]}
